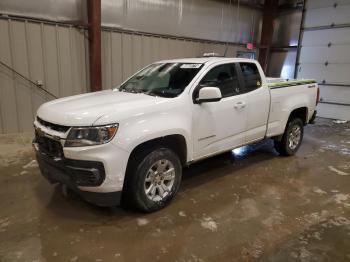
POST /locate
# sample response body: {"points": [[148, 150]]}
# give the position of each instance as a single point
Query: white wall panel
{"points": [[314, 4], [336, 54], [339, 94], [8, 100], [52, 54], [335, 36], [57, 55], [137, 52], [116, 56], [52, 81], [123, 54], [57, 10], [127, 53], [286, 29], [106, 56], [77, 59], [204, 19], [20, 63], [328, 15], [163, 45], [35, 51], [64, 61], [333, 73], [282, 64], [325, 54], [334, 111]]}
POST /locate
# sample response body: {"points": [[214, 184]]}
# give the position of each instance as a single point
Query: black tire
{"points": [[135, 189], [283, 146]]}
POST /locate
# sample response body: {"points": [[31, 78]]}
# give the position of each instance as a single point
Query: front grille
{"points": [[52, 126], [49, 146]]}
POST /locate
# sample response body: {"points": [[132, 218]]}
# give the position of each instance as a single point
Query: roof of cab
{"points": [[203, 60]]}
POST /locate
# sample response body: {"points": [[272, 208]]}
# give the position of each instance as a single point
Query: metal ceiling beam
{"points": [[94, 29], [269, 13]]}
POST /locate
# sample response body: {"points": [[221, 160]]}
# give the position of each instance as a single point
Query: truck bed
{"points": [[279, 82], [286, 95]]}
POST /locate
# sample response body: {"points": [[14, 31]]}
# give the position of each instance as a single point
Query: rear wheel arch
{"points": [[301, 112], [290, 141]]}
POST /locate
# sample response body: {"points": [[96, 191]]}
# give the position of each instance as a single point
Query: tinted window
{"points": [[251, 76], [223, 77]]}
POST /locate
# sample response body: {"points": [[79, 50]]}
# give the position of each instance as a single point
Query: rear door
{"points": [[219, 126], [257, 98]]}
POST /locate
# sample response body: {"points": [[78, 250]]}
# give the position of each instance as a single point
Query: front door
{"points": [[220, 126]]}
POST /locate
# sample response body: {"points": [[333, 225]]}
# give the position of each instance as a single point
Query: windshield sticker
{"points": [[191, 66]]}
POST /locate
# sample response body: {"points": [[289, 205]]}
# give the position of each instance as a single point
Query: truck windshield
{"points": [[162, 79]]}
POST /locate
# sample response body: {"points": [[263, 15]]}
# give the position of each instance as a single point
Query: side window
{"points": [[251, 76], [223, 77]]}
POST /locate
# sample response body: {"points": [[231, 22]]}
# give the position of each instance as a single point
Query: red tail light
{"points": [[318, 96]]}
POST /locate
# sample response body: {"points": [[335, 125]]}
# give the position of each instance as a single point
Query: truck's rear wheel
{"points": [[153, 180], [291, 139]]}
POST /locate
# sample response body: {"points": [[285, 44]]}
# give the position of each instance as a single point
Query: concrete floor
{"points": [[258, 207]]}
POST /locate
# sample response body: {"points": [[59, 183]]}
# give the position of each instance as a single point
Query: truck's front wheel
{"points": [[154, 180], [291, 139]]}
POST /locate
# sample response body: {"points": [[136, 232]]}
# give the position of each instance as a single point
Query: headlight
{"points": [[90, 136]]}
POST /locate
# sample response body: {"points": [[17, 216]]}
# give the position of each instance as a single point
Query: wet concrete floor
{"points": [[258, 207]]}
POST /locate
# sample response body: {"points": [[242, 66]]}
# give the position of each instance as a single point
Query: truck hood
{"points": [[86, 109]]}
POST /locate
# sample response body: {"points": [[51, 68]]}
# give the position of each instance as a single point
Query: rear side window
{"points": [[224, 77], [251, 76]]}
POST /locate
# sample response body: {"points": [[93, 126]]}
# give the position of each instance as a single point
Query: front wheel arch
{"points": [[176, 142]]}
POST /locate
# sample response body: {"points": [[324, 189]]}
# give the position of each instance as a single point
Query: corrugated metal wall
{"points": [[40, 44], [282, 63], [286, 33], [124, 53], [57, 56], [325, 54], [216, 20], [52, 54], [205, 19]]}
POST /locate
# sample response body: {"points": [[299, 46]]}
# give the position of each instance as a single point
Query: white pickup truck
{"points": [[129, 144]]}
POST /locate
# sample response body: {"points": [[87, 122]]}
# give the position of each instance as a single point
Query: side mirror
{"points": [[209, 94]]}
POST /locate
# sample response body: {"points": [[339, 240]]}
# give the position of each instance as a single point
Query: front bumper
{"points": [[77, 174]]}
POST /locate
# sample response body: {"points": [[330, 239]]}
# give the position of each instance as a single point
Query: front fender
{"points": [[136, 131]]}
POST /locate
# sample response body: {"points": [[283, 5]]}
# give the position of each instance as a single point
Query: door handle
{"points": [[239, 105]]}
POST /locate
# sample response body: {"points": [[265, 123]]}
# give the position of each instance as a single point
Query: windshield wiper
{"points": [[134, 91], [129, 90], [161, 93]]}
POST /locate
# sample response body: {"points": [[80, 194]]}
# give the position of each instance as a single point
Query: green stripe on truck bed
{"points": [[291, 83]]}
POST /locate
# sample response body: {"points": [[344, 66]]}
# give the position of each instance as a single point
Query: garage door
{"points": [[325, 54]]}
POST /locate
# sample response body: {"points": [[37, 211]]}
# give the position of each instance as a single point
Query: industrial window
{"points": [[251, 76], [223, 77]]}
